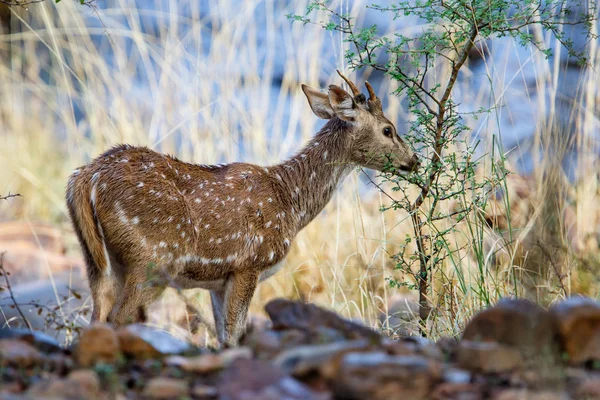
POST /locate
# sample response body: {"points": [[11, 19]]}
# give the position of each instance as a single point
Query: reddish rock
{"points": [[86, 380], [577, 320], [519, 324], [513, 322], [204, 391], [256, 379], [526, 394], [380, 376], [97, 343], [80, 384], [488, 357], [18, 353], [319, 324], [457, 391], [589, 389], [166, 388]]}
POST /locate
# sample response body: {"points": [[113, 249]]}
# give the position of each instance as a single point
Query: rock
{"points": [[519, 324], [206, 363], [488, 357], [455, 375], [448, 346], [378, 375], [316, 322], [37, 339], [303, 360], [264, 343], [256, 379], [166, 388], [457, 391], [98, 343], [204, 391], [80, 384], [577, 320], [202, 364], [143, 342], [86, 379], [589, 389], [18, 353], [526, 394], [402, 315]]}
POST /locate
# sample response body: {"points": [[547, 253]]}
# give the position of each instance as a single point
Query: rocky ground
{"points": [[514, 350]]}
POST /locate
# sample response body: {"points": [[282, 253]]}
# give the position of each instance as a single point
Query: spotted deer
{"points": [[223, 228]]}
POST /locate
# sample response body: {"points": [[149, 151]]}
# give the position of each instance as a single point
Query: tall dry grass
{"points": [[63, 101]]}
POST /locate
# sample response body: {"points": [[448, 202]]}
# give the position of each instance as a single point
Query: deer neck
{"points": [[310, 178]]}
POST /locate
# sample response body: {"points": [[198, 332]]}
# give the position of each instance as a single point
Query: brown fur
{"points": [[160, 221]]}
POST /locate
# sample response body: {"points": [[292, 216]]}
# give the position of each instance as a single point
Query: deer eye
{"points": [[387, 131]]}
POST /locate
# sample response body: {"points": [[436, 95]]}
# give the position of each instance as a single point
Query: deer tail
{"points": [[81, 201]]}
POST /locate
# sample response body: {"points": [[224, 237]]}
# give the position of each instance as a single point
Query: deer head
{"points": [[372, 138]]}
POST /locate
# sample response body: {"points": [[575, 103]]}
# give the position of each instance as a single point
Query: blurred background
{"points": [[219, 81]]}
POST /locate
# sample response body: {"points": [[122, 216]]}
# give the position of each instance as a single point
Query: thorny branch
{"points": [[9, 195], [4, 273]]}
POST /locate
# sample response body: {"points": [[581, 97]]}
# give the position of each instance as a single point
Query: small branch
{"points": [[9, 195], [4, 273], [20, 3]]}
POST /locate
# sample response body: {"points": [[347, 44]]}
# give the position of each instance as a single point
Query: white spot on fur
{"points": [[270, 200], [141, 184], [121, 213], [183, 234], [271, 256], [325, 155], [162, 244], [286, 242], [135, 220], [268, 224], [197, 200]]}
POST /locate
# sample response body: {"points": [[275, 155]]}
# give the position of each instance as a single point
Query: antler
{"points": [[353, 87], [374, 102]]}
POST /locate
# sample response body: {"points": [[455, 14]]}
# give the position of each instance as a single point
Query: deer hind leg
{"points": [[104, 291], [239, 290], [136, 294], [217, 298]]}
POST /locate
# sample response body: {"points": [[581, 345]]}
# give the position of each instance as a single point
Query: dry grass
{"points": [[195, 110]]}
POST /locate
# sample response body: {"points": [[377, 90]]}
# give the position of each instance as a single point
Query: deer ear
{"points": [[319, 102], [342, 103]]}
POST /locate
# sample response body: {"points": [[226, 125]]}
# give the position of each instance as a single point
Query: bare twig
{"points": [[4, 273], [9, 195]]}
